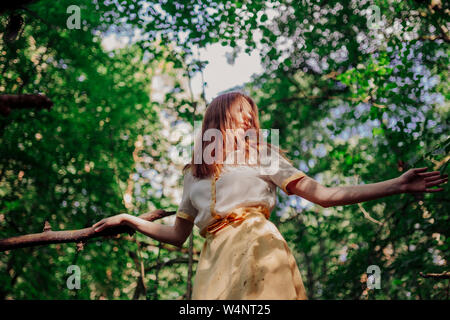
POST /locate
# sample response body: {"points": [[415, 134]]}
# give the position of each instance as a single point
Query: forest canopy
{"points": [[358, 90]]}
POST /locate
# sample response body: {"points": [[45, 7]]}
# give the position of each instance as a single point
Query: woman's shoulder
{"points": [[187, 168], [188, 172]]}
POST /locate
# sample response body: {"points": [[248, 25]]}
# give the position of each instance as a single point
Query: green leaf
{"points": [[264, 18], [377, 131]]}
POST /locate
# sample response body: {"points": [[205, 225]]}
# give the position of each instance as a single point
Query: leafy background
{"points": [[355, 104]]}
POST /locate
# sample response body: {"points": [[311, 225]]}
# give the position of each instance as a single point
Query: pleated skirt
{"points": [[247, 260]]}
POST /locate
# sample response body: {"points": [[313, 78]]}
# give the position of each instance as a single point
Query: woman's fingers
{"points": [[429, 174], [433, 178], [434, 190], [435, 182], [98, 223], [100, 227]]}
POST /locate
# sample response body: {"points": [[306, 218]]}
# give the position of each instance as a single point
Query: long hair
{"points": [[218, 116]]}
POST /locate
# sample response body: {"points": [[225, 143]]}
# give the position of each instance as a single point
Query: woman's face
{"points": [[242, 116], [242, 120]]}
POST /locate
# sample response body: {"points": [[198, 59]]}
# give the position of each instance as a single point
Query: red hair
{"points": [[218, 116]]}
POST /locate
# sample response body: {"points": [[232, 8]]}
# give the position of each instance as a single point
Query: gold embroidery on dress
{"points": [[213, 197], [237, 214]]}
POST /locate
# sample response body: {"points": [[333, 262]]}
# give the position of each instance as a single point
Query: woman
{"points": [[244, 256]]}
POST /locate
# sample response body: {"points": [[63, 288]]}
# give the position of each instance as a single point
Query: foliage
{"points": [[354, 104]]}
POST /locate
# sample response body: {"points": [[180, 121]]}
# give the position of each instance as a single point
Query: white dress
{"points": [[247, 258], [237, 186]]}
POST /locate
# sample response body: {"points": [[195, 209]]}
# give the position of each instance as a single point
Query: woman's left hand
{"points": [[109, 222], [418, 180]]}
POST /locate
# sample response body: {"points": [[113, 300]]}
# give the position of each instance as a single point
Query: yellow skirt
{"points": [[247, 260]]}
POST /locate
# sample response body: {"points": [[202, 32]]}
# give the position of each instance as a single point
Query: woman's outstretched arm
{"points": [[413, 181], [175, 235]]}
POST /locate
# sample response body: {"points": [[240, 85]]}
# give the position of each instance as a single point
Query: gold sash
{"points": [[236, 215]]}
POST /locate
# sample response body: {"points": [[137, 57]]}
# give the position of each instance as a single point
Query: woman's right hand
{"points": [[110, 222]]}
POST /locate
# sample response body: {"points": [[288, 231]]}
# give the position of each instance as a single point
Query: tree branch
{"points": [[178, 260], [168, 247], [443, 275], [14, 5], [79, 236], [23, 101]]}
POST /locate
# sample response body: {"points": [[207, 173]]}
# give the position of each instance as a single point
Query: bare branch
{"points": [[443, 275], [178, 260], [23, 101], [82, 235]]}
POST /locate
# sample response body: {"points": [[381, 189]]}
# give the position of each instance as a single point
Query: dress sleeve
{"points": [[284, 173], [186, 210]]}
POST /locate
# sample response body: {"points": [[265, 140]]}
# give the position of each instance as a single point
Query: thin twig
{"points": [[443, 275], [364, 211]]}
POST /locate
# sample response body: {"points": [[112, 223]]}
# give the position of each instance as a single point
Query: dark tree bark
{"points": [[14, 5], [79, 236], [9, 102], [443, 275]]}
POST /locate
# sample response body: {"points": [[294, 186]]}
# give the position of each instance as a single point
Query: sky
{"points": [[218, 73]]}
